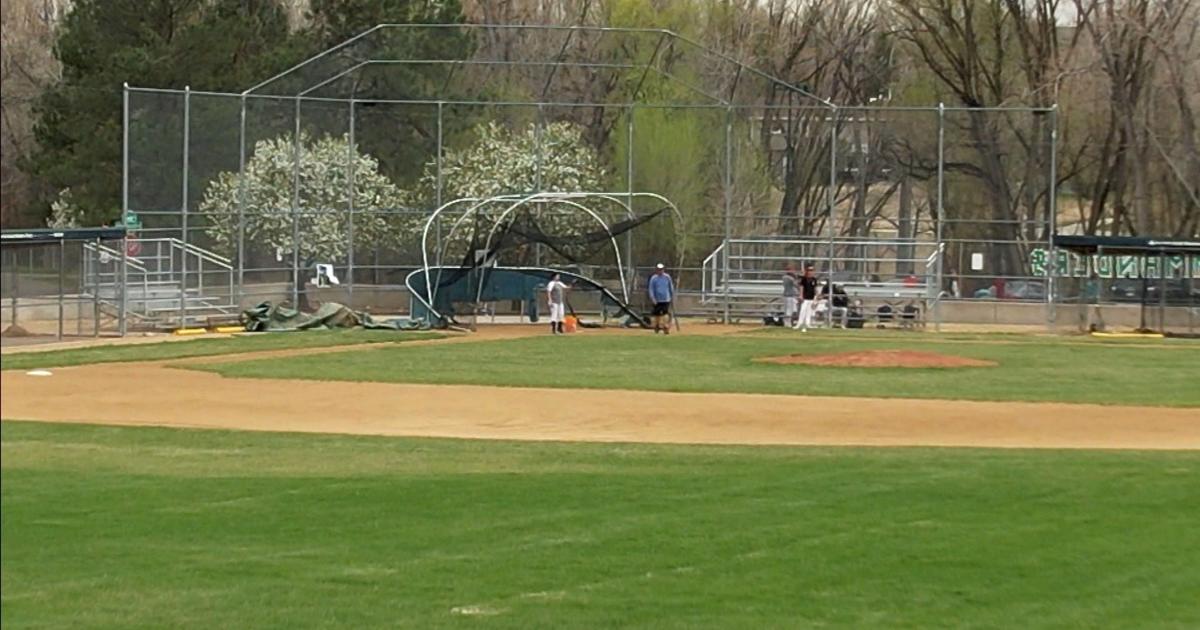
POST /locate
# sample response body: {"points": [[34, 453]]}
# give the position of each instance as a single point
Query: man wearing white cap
{"points": [[555, 296], [662, 291]]}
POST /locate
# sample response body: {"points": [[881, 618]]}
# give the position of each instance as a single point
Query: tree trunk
{"points": [[1003, 228]]}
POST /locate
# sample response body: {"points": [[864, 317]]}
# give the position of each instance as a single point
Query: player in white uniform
{"points": [[808, 298], [556, 296]]}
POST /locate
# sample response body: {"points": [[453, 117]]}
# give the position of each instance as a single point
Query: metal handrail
{"points": [[933, 267], [199, 252], [823, 240], [135, 263], [840, 258], [712, 260], [216, 259], [157, 269]]}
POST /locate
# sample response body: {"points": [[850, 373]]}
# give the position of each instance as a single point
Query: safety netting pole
{"points": [[183, 210], [352, 156], [296, 211], [122, 324], [1052, 223], [832, 223], [728, 205], [941, 208], [241, 209]]}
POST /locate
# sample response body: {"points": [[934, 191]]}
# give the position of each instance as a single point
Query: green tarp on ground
{"points": [[267, 317]]}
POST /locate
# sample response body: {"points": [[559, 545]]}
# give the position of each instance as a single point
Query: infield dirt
{"points": [[158, 395]]}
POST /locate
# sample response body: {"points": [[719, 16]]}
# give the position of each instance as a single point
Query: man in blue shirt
{"points": [[662, 291]]}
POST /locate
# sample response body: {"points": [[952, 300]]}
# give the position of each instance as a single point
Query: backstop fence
{"points": [[339, 160]]}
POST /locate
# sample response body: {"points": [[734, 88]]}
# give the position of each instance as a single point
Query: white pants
{"points": [[790, 305], [557, 311], [806, 314]]}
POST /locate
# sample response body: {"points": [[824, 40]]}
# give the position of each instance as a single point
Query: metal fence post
{"points": [[1052, 223], [941, 206], [296, 211], [241, 209], [833, 137], [438, 192], [537, 149], [183, 232], [122, 324], [62, 263], [1189, 264], [16, 282], [95, 291], [1162, 292], [632, 273], [352, 155], [537, 172], [728, 205]]}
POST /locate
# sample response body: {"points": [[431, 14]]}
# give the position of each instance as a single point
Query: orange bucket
{"points": [[570, 323]]}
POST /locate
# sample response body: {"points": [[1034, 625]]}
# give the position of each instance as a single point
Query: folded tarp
{"points": [[267, 317]]}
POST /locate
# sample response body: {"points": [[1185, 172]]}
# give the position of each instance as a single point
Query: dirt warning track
{"points": [[152, 394]]}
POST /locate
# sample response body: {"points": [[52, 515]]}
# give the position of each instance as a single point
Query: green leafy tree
{"points": [[218, 45], [403, 135]]}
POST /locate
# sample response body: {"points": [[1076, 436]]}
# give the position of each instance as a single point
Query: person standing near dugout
{"points": [[556, 291], [662, 291], [808, 298], [791, 304]]}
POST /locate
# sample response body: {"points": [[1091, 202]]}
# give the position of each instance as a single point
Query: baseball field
{"points": [[723, 477]]}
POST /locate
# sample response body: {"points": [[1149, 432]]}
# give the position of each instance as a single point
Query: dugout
{"points": [[1102, 277], [61, 283]]}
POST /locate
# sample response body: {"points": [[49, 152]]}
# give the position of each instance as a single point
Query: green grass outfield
{"points": [[157, 528], [1030, 368], [203, 347]]}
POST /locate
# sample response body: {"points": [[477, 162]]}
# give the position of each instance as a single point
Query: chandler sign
{"points": [[1072, 265]]}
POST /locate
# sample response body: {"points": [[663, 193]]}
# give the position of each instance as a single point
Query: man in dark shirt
{"points": [[808, 298]]}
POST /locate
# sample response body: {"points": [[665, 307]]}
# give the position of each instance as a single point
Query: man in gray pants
{"points": [[791, 303], [556, 296]]}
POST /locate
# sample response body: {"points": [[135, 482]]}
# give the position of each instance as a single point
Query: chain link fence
{"points": [[341, 160], [59, 285]]}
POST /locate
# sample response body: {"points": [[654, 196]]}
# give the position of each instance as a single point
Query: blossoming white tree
{"points": [[507, 161], [64, 214], [324, 219], [503, 160]]}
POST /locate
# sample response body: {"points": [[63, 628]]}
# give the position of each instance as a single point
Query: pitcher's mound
{"points": [[880, 358]]}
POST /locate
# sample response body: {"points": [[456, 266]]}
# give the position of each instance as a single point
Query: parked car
{"points": [[1178, 291], [1025, 290], [1034, 290]]}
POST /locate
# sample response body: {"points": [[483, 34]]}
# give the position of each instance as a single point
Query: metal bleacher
{"points": [[165, 284], [742, 277]]}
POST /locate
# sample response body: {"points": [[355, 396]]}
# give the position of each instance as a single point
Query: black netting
{"points": [[525, 228]]}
